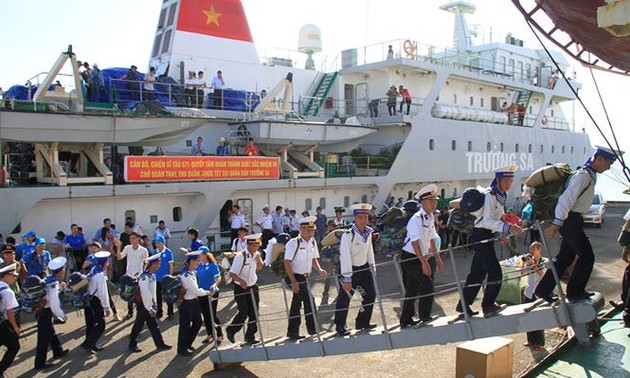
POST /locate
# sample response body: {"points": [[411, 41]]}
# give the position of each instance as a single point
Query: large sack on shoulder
{"points": [[547, 174], [332, 238]]}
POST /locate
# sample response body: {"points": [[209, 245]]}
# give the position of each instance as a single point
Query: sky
{"points": [[118, 33]]}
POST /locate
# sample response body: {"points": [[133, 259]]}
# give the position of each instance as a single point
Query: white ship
{"points": [[329, 132]]}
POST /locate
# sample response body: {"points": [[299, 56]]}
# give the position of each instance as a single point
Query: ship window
{"points": [[502, 64], [308, 204], [455, 98], [346, 201], [516, 148], [322, 202], [553, 148], [571, 149], [453, 145], [481, 102], [529, 148], [171, 14], [552, 112], [489, 147], [156, 45], [469, 146], [472, 101], [562, 149], [501, 147], [130, 214], [541, 148], [364, 198], [528, 70], [431, 144], [167, 41], [177, 214], [162, 18]]}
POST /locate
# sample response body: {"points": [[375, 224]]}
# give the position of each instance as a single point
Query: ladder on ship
{"points": [[523, 98], [318, 97], [580, 316]]}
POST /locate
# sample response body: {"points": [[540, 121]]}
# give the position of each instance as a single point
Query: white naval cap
{"points": [[57, 263], [153, 258], [254, 239], [361, 208], [102, 254], [507, 171], [8, 269], [193, 255], [427, 192], [308, 222], [607, 153]]}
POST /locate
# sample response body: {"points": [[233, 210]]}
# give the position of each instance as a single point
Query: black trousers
{"points": [[218, 98], [416, 284], [361, 277], [233, 234], [246, 311], [143, 316], [206, 307], [484, 264], [535, 337], [303, 297], [266, 236], [574, 242], [94, 322], [79, 257], [46, 337], [10, 340], [625, 295], [169, 306], [189, 324]]}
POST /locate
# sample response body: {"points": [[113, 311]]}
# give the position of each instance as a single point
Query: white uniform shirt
{"points": [[492, 214], [135, 259], [98, 287], [147, 285], [577, 197], [340, 223], [52, 300], [265, 222], [420, 228], [533, 278], [218, 83], [627, 216], [8, 301], [238, 245], [246, 267], [354, 252], [189, 282], [237, 220], [301, 254], [269, 251]]}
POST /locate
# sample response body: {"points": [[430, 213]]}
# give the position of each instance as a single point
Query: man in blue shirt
{"points": [[37, 261], [27, 246], [76, 243], [166, 267], [199, 149]]}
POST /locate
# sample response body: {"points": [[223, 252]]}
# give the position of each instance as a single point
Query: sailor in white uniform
{"points": [[300, 257], [485, 262], [46, 335], [9, 329], [419, 258], [357, 260], [147, 310], [265, 222], [239, 243], [189, 311], [244, 276], [98, 307], [575, 201]]}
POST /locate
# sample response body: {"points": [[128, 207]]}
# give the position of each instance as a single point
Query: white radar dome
{"points": [[310, 39]]}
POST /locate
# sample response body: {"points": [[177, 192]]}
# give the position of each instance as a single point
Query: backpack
{"points": [[392, 227], [129, 290], [32, 298], [277, 263], [462, 218], [548, 191]]}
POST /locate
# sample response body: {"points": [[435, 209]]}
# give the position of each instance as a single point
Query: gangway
{"points": [[580, 316]]}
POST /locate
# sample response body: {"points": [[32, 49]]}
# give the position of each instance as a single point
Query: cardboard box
{"points": [[485, 358]]}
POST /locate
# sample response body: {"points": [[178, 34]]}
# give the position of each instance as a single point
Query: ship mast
{"points": [[462, 36]]}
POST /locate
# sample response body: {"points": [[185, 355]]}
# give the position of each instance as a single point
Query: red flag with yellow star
{"points": [[218, 18]]}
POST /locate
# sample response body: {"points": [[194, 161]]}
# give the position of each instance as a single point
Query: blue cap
{"points": [[160, 239], [30, 234], [203, 249], [283, 238], [40, 241], [607, 153]]}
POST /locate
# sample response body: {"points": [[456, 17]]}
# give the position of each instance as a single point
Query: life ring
{"points": [[544, 120], [409, 47]]}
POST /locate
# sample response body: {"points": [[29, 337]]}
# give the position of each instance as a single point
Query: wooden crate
{"points": [[485, 358]]}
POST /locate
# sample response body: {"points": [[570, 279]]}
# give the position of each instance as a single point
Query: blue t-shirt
{"points": [[206, 275], [195, 244], [36, 263], [77, 243], [165, 259], [22, 250]]}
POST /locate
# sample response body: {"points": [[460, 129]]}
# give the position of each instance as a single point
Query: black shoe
{"points": [[252, 341], [492, 310], [135, 349], [184, 354], [367, 327], [164, 347], [59, 321], [617, 305], [469, 310], [412, 323], [295, 336], [97, 348], [46, 365], [61, 354], [342, 331], [425, 319], [579, 296], [89, 350], [191, 349], [230, 335]]}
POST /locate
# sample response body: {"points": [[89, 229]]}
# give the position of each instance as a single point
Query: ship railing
{"points": [[359, 166], [375, 109]]}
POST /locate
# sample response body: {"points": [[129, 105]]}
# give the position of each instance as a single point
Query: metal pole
{"points": [[262, 338], [315, 320], [284, 294], [397, 262], [214, 330], [460, 289], [380, 306]]}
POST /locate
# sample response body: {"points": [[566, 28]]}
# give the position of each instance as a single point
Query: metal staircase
{"points": [[523, 98], [318, 96]]}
